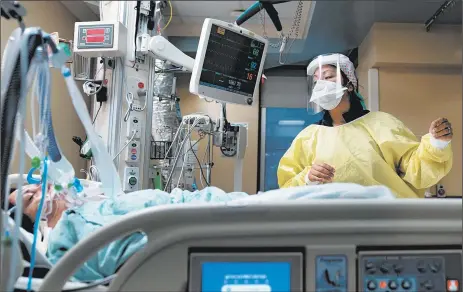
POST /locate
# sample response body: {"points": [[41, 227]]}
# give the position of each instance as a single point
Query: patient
{"points": [[71, 225], [31, 200]]}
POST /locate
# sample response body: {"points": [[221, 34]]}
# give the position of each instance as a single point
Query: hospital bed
{"points": [[335, 245]]}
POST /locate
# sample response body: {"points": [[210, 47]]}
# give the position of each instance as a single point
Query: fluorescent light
{"points": [[291, 123]]}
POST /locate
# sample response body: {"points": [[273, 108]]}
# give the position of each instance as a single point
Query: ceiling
{"points": [[83, 10], [188, 16], [329, 26]]}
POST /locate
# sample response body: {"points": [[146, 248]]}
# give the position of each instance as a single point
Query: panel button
{"points": [[392, 285], [435, 267], [133, 181], [428, 285], [421, 267], [406, 284], [453, 285], [398, 268], [370, 267], [371, 285], [384, 268]]}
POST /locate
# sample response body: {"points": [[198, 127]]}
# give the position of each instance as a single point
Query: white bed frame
{"points": [[322, 227]]}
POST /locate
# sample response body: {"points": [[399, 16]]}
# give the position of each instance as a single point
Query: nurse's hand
{"points": [[441, 129], [321, 172]]}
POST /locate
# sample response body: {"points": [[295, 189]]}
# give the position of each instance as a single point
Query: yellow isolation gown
{"points": [[375, 149]]}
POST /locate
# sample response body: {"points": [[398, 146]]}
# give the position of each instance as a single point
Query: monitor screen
{"points": [[232, 61], [246, 276]]}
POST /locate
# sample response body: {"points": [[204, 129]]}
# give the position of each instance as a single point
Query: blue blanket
{"points": [[78, 223]]}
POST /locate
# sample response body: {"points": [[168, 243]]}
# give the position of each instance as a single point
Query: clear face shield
{"points": [[324, 79]]}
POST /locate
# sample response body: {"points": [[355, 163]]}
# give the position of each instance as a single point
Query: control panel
{"points": [[388, 271], [100, 39], [409, 271], [96, 36]]}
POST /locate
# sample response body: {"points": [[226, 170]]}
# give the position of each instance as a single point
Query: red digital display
{"points": [[95, 39], [94, 31]]}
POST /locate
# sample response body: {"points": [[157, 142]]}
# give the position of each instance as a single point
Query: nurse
{"points": [[352, 145]]}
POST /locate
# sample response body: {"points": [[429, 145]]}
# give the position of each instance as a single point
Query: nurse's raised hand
{"points": [[321, 172], [441, 129]]}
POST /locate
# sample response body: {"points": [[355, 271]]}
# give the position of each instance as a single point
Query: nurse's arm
{"points": [[427, 165], [422, 164]]}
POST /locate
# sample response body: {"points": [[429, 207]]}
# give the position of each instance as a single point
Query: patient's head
{"points": [[31, 200]]}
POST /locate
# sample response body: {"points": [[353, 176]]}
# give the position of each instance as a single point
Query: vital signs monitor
{"points": [[228, 64]]}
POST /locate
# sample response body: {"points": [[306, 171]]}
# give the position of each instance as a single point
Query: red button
{"points": [[453, 285], [134, 151], [382, 285], [141, 85]]}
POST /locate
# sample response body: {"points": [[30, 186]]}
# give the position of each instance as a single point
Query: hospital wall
{"points": [[52, 16], [420, 79], [223, 170]]}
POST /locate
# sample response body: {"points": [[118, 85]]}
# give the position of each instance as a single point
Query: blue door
{"points": [[281, 127]]}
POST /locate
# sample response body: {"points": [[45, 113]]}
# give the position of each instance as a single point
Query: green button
{"points": [[132, 181]]}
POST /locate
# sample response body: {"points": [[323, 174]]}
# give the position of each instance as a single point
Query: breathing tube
{"points": [[24, 56], [60, 172], [110, 181], [18, 58]]}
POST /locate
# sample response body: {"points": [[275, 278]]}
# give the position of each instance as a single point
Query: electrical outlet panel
{"points": [[440, 191], [131, 179], [136, 86], [136, 106], [132, 153], [133, 124]]}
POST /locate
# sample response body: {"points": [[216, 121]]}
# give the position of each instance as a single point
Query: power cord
{"points": [[97, 112], [199, 162], [126, 144], [170, 16], [92, 88], [130, 101], [137, 21]]}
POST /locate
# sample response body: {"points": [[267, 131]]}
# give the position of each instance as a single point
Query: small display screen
{"points": [[231, 62], [95, 36], [246, 276]]}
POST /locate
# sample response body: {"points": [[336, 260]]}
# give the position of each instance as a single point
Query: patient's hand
{"points": [[31, 199]]}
